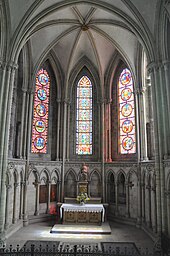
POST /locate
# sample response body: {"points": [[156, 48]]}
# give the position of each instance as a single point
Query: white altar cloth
{"points": [[83, 208]]}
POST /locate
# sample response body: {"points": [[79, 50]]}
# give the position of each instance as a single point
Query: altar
{"points": [[82, 214]]}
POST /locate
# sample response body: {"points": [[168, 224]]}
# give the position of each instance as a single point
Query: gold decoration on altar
{"points": [[82, 198]]}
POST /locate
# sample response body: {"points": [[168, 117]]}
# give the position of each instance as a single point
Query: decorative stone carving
{"points": [[84, 173], [11, 165]]}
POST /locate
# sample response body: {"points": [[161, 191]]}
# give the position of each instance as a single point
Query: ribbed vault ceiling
{"points": [[82, 29]]}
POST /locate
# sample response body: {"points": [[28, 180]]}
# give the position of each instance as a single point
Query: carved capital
{"points": [[11, 165], [8, 186], [58, 100], [36, 183], [166, 64], [16, 184], [167, 193]]}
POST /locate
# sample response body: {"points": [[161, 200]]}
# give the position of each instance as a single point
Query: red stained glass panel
{"points": [[127, 129], [40, 115]]}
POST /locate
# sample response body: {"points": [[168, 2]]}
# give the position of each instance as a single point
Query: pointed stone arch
{"points": [[95, 184], [110, 187], [47, 174], [84, 64], [56, 173], [70, 184], [121, 189]]}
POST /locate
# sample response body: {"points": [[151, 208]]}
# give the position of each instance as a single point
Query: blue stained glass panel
{"points": [[84, 117], [84, 92], [84, 138], [85, 103]]}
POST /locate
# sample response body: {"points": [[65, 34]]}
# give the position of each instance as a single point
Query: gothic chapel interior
{"points": [[85, 82]]}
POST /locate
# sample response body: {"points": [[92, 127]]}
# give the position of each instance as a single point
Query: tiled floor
{"points": [[120, 233]]}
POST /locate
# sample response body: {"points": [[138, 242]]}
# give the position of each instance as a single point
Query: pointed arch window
{"points": [[40, 115], [84, 117], [127, 128]]}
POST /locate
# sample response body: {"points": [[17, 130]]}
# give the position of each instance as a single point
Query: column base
{"points": [[138, 223], [2, 240], [14, 221], [154, 229], [25, 220], [6, 226]]}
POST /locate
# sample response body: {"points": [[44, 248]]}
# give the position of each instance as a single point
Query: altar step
{"points": [[81, 229]]}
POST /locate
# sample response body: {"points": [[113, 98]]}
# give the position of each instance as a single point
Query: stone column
{"points": [[166, 65], [6, 103], [167, 194], [48, 197], [109, 139], [64, 149], [127, 200], [25, 215], [151, 119], [163, 114], [153, 208], [59, 190], [14, 219], [8, 187], [3, 71], [162, 142], [143, 203], [103, 150], [158, 151], [14, 130], [116, 198], [28, 112], [5, 96], [142, 109], [139, 200], [58, 129], [37, 199], [148, 189], [22, 123], [99, 129], [21, 200], [68, 130]]}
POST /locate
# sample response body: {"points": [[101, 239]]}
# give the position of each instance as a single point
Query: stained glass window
{"points": [[84, 117], [40, 116], [127, 136]]}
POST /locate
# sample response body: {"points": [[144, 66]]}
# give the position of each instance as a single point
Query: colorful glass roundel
{"points": [[125, 77], [39, 143], [127, 126], [84, 117], [40, 116], [127, 129], [126, 94], [42, 94], [40, 126], [127, 109], [43, 79], [127, 143], [41, 109]]}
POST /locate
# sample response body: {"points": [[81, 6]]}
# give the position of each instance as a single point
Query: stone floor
{"points": [[120, 233]]}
